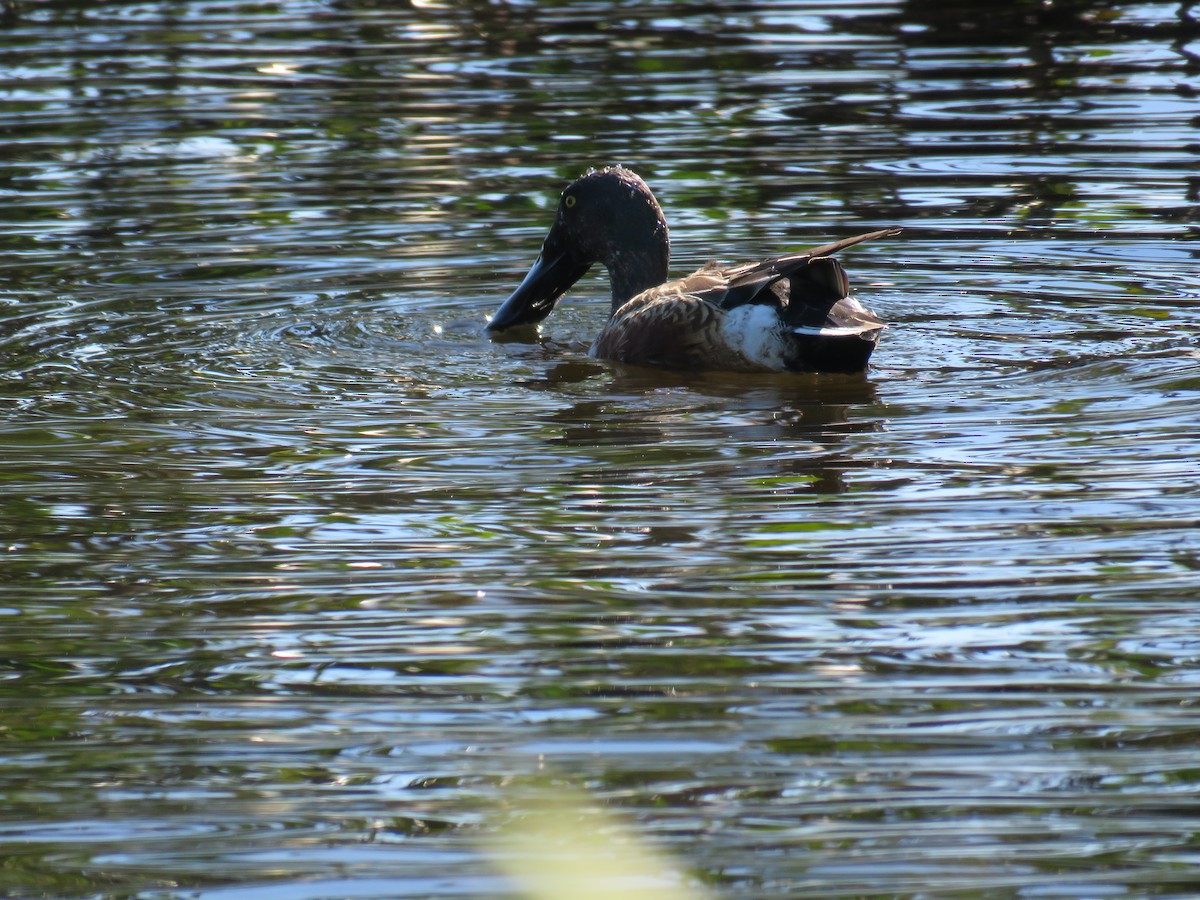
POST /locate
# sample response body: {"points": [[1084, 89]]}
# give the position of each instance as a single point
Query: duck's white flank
{"points": [[753, 331]]}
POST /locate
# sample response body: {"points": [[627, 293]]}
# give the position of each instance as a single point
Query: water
{"points": [[305, 582]]}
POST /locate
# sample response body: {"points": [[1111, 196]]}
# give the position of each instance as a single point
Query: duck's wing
{"points": [[681, 324], [820, 282], [807, 288]]}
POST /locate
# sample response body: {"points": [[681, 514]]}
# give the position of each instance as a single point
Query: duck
{"points": [[789, 313]]}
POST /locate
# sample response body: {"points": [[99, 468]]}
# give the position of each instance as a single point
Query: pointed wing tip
{"points": [[845, 243], [872, 235]]}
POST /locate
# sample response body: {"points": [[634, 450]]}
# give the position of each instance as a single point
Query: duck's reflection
{"points": [[786, 433]]}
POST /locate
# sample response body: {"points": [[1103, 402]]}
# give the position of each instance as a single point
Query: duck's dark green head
{"points": [[607, 216]]}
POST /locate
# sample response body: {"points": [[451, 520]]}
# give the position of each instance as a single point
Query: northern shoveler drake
{"points": [[791, 313]]}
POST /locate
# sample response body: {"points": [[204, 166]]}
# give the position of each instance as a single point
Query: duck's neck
{"points": [[631, 271]]}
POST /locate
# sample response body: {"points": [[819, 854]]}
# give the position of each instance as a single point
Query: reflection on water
{"points": [[303, 578]]}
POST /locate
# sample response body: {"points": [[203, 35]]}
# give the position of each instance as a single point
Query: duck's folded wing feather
{"points": [[816, 280]]}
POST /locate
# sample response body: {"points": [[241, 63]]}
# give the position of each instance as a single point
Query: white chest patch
{"points": [[753, 331]]}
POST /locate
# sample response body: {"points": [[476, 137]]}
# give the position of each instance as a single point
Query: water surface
{"points": [[304, 581]]}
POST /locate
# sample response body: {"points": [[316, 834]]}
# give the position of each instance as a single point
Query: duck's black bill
{"points": [[534, 299]]}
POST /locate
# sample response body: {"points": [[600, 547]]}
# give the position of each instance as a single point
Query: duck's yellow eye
{"points": [[569, 201]]}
